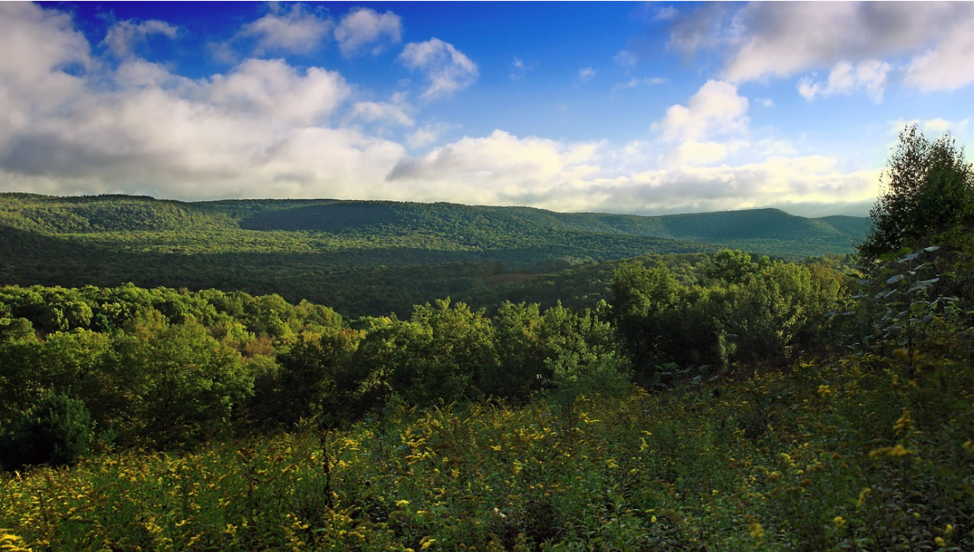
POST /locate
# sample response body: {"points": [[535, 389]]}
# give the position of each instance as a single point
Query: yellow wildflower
{"points": [[904, 424], [862, 497], [939, 541], [824, 391], [839, 522], [756, 531], [894, 452]]}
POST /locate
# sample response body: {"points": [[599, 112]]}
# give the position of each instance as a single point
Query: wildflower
{"points": [[756, 531], [949, 529], [904, 424], [839, 522], [12, 542], [898, 451], [862, 497], [401, 503], [824, 391], [939, 541]]}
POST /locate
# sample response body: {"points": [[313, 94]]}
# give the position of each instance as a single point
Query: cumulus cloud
{"points": [[124, 36], [294, 29], [502, 169], [265, 128], [394, 112], [274, 89], [38, 47], [949, 65], [427, 135], [715, 110], [261, 130], [446, 68], [781, 39], [586, 74], [363, 27], [868, 76]]}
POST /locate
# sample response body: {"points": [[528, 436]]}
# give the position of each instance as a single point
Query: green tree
{"points": [[732, 266], [318, 379], [179, 384], [56, 430], [640, 297], [520, 355], [928, 191]]}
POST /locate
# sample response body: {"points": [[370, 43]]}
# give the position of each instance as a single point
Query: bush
{"points": [[57, 430]]}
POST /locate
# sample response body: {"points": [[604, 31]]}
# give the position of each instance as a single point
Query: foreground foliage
{"points": [[855, 452]]}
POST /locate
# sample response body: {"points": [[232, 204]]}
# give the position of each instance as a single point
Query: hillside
{"points": [[362, 257]]}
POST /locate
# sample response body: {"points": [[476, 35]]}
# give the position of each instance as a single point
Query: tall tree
{"points": [[928, 191]]}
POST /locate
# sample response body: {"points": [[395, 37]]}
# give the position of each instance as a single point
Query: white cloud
{"points": [[261, 130], [447, 69], [667, 13], [393, 112], [782, 39], [497, 169], [362, 26], [502, 169], [626, 58], [124, 36], [715, 110], [868, 76], [519, 68], [294, 29], [275, 89], [931, 127], [38, 45], [586, 74], [427, 135], [268, 129], [637, 82], [949, 65]]}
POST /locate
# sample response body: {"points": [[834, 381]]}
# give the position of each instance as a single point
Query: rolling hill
{"points": [[362, 257]]}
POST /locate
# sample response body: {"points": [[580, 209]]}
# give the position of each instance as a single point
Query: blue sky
{"points": [[645, 108]]}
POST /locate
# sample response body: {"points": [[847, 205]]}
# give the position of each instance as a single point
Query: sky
{"points": [[644, 108]]}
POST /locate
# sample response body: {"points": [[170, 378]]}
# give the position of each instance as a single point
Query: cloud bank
{"points": [[73, 121]]}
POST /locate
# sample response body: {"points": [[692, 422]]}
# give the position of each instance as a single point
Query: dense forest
{"points": [[678, 399], [362, 258]]}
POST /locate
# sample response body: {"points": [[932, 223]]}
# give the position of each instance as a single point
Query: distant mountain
{"points": [[370, 254]]}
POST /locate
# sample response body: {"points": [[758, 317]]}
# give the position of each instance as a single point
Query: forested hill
{"points": [[463, 225], [361, 257]]}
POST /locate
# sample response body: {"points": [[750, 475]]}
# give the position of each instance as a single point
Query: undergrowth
{"points": [[857, 452]]}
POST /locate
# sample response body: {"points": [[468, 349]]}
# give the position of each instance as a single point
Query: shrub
{"points": [[56, 430]]}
